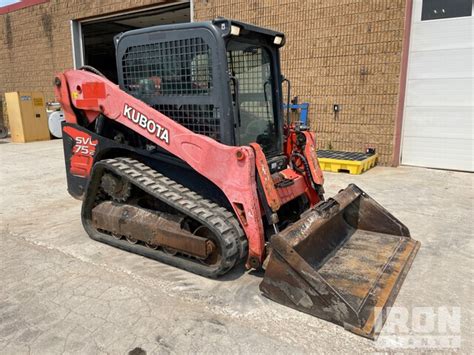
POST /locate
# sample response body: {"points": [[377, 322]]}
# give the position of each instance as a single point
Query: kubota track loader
{"points": [[189, 161]]}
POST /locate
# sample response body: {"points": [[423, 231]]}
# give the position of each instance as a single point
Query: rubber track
{"points": [[222, 223]]}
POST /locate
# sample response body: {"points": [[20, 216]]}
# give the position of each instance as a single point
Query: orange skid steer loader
{"points": [[188, 161]]}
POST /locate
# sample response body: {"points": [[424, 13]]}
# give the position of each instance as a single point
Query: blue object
{"points": [[303, 111]]}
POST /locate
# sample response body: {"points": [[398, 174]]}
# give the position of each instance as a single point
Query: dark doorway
{"points": [[99, 48]]}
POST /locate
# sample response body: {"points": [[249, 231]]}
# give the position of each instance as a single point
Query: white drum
{"points": [[55, 120]]}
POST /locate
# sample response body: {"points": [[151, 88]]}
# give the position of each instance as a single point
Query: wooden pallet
{"points": [[346, 162]]}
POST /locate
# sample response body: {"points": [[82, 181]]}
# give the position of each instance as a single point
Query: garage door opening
{"points": [[93, 39]]}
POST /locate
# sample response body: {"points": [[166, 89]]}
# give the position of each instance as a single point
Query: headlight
{"points": [[234, 30], [277, 40]]}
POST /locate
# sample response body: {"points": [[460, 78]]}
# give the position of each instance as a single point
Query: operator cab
{"points": [[219, 78]]}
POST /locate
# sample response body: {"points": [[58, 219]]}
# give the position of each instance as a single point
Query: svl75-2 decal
{"points": [[82, 152]]}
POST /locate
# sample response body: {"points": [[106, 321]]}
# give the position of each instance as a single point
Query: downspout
{"points": [[397, 140]]}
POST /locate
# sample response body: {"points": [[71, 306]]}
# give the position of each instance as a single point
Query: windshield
{"points": [[250, 65]]}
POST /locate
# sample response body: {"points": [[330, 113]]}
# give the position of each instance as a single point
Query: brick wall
{"points": [[35, 42], [345, 52]]}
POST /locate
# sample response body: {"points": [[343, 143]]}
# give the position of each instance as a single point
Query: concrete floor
{"points": [[61, 292]]}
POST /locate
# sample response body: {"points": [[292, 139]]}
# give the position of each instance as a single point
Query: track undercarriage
{"points": [[132, 207]]}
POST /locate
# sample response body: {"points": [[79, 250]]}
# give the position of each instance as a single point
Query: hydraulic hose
{"points": [[92, 70], [305, 164]]}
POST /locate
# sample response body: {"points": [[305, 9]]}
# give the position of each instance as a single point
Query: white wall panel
{"points": [[440, 92], [446, 63]]}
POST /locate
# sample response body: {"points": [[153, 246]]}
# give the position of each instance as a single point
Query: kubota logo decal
{"points": [[144, 122]]}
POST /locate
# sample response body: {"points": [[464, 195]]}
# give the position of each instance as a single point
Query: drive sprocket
{"points": [[117, 188]]}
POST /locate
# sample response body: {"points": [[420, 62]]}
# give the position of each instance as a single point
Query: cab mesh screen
{"points": [[169, 76], [202, 119]]}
